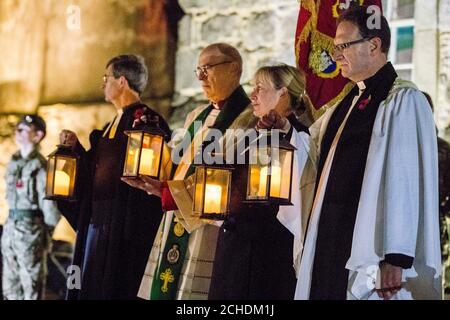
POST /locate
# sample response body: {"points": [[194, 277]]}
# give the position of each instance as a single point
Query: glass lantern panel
{"points": [[257, 185], [150, 155], [281, 167], [257, 182], [132, 155], [217, 186], [50, 176], [199, 187], [275, 180], [65, 171]]}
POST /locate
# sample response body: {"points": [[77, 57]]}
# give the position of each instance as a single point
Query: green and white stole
{"points": [[167, 275]]}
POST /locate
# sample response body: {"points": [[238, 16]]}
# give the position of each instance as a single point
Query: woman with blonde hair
{"points": [[254, 250], [282, 88]]}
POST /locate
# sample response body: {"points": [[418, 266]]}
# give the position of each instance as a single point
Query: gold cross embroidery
{"points": [[167, 277]]}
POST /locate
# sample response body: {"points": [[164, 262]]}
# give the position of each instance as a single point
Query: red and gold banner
{"points": [[316, 28]]}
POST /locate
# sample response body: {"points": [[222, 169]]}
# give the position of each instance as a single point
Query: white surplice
{"points": [[398, 206]]}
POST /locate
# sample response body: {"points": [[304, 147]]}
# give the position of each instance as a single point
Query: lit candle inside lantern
{"points": [[131, 160], [146, 166], [275, 182], [62, 183], [213, 198], [262, 182]]}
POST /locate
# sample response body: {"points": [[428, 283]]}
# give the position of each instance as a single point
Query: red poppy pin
{"points": [[363, 104], [138, 113]]}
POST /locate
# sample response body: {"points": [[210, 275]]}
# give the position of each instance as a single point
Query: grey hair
{"points": [[131, 67], [228, 51]]}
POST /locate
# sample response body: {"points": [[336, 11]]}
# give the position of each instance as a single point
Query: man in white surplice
{"points": [[371, 231]]}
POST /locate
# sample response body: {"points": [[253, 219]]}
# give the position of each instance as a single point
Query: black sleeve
{"points": [[399, 260], [165, 127], [299, 127], [71, 209]]}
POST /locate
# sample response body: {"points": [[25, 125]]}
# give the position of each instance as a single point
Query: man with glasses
{"points": [[115, 224], [373, 227], [28, 230], [181, 261]]}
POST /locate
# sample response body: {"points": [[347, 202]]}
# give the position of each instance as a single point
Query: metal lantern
{"points": [[61, 174], [144, 152], [270, 172], [212, 190]]}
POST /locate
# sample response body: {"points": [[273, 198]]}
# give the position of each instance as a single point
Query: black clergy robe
{"points": [[340, 204], [115, 223], [253, 256]]}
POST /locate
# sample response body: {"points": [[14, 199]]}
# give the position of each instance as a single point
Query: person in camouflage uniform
{"points": [[27, 232]]}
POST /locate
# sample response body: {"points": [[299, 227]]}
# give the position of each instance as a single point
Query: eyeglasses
{"points": [[19, 130], [203, 71], [106, 76], [342, 46]]}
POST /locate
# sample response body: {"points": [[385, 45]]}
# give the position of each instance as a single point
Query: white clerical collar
{"points": [[361, 85]]}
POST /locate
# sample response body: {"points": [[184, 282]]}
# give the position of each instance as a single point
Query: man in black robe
{"points": [[334, 240], [373, 226], [115, 223]]}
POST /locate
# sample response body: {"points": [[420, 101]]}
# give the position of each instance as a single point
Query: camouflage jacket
{"points": [[25, 186]]}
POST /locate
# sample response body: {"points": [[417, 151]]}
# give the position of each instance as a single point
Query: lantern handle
{"points": [[154, 121], [144, 120], [147, 122], [205, 143]]}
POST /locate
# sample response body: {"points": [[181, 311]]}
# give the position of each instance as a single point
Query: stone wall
{"points": [[262, 30], [443, 101], [54, 54], [426, 35], [22, 42], [55, 51]]}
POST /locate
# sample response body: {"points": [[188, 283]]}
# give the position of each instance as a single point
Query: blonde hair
{"points": [[294, 80]]}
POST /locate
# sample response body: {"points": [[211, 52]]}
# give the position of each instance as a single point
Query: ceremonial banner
{"points": [[316, 28]]}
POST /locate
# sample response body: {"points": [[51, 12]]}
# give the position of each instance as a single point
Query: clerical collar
{"points": [[378, 77], [361, 85]]}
